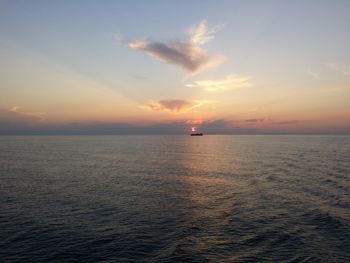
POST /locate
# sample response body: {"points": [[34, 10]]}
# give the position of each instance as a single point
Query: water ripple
{"points": [[175, 199]]}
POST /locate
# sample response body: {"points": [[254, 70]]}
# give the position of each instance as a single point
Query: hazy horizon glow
{"points": [[233, 67]]}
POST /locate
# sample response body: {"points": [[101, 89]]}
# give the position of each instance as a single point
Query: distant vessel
{"points": [[194, 133]]}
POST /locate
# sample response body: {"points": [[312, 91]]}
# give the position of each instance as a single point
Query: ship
{"points": [[194, 133]]}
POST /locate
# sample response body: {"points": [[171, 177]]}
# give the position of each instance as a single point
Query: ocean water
{"points": [[175, 199]]}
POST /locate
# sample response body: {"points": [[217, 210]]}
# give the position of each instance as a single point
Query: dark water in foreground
{"points": [[175, 198]]}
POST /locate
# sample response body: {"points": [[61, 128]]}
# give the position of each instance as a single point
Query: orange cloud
{"points": [[228, 83], [174, 106]]}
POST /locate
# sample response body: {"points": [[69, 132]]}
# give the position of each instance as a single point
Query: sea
{"points": [[175, 198]]}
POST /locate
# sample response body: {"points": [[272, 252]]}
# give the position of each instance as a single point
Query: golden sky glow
{"points": [[232, 68]]}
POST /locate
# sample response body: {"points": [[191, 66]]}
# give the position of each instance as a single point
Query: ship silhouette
{"points": [[194, 133]]}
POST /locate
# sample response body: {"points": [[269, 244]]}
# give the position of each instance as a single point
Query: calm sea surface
{"points": [[175, 198]]}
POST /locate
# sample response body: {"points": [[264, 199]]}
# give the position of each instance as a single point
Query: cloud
{"points": [[343, 69], [223, 126], [17, 109], [254, 120], [228, 83], [175, 127], [219, 126], [216, 124], [201, 34], [13, 122], [187, 54], [174, 106], [12, 115]]}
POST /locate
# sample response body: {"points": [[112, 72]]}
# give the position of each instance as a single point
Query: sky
{"points": [[149, 67]]}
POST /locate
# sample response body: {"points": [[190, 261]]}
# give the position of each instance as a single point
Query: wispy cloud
{"points": [[343, 69], [174, 106], [200, 34], [228, 83], [18, 109], [188, 54]]}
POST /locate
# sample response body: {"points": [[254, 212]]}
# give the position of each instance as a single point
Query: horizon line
{"points": [[169, 134]]}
